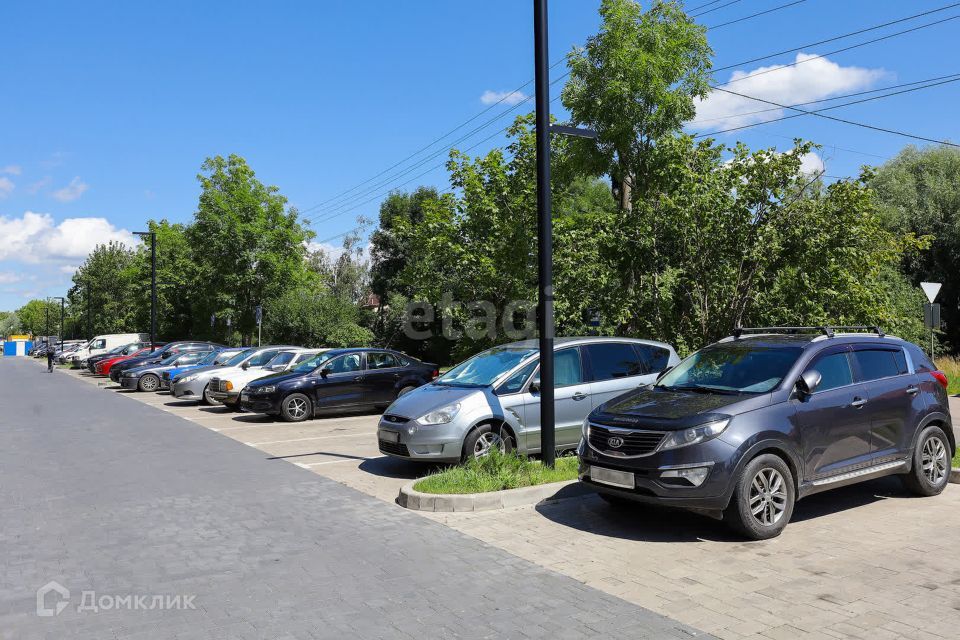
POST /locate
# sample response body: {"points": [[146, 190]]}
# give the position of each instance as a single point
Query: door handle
{"points": [[913, 390], [858, 402], [579, 396], [358, 379]]}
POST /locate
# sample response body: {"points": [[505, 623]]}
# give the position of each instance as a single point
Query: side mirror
{"points": [[663, 373], [808, 382], [326, 371], [534, 386], [245, 366]]}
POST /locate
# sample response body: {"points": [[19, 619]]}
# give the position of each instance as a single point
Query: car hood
{"points": [[239, 377], [276, 377], [429, 397], [665, 409]]}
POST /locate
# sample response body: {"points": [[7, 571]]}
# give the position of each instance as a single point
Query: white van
{"points": [[102, 344]]}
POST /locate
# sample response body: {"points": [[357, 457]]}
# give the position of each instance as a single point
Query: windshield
{"points": [[310, 364], [484, 368], [237, 359], [170, 359], [210, 358], [732, 367]]}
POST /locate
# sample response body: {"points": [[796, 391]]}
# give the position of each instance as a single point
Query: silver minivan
{"points": [[492, 400]]}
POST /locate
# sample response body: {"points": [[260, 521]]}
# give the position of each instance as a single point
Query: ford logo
{"points": [[615, 442]]}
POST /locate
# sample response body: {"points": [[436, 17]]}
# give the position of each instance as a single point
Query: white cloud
{"points": [[42, 183], [72, 191], [35, 237], [12, 169], [69, 269], [334, 251], [8, 277], [814, 80], [811, 164], [6, 186], [508, 97]]}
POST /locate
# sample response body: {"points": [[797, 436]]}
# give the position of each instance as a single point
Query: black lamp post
{"points": [[62, 301], [153, 285]]}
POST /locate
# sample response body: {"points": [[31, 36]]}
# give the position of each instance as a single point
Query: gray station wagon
{"points": [[492, 400]]}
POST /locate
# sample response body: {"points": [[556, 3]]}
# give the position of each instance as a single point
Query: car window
{"points": [[566, 368], [484, 368], [834, 370], [515, 383], [732, 367], [381, 360], [901, 360], [656, 359], [344, 364], [609, 360], [261, 358], [876, 363], [284, 357], [191, 358], [99, 344], [921, 363]]}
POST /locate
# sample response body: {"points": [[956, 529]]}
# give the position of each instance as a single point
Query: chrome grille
{"points": [[634, 442], [218, 385]]}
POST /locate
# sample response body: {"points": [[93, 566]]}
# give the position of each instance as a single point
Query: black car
{"points": [[123, 350], [154, 357], [337, 379], [743, 428]]}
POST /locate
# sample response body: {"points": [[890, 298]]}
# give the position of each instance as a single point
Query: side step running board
{"points": [[860, 472]]}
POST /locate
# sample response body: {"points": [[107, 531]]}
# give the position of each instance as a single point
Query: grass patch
{"points": [[951, 367], [495, 472]]}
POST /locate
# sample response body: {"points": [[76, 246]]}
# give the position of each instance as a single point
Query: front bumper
{"points": [[129, 383], [260, 403], [225, 397], [192, 390], [402, 437], [649, 483]]}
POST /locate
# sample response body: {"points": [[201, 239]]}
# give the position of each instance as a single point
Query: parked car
{"points": [[157, 355], [492, 400], [103, 343], [196, 384], [214, 359], [102, 367], [147, 376], [225, 387], [743, 428], [122, 350], [337, 379]]}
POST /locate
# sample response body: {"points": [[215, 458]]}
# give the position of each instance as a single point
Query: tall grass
{"points": [[495, 472], [951, 367]]}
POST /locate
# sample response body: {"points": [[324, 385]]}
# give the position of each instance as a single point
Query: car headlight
{"points": [[694, 435], [443, 415], [187, 379], [267, 389]]}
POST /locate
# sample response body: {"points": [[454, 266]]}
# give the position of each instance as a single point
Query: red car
{"points": [[102, 368]]}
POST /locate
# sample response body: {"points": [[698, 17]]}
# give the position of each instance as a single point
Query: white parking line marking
{"points": [[342, 435]]}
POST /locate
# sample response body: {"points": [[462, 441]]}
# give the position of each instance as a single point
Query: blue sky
{"points": [[107, 109]]}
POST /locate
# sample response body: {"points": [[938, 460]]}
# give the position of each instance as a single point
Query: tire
{"points": [[148, 382], [406, 390], [931, 464], [205, 397], [479, 442], [296, 407], [765, 486]]}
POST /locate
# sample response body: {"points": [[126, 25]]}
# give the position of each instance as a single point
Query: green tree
{"points": [[177, 286], [9, 323], [40, 317], [918, 192], [313, 317], [247, 246], [103, 287]]}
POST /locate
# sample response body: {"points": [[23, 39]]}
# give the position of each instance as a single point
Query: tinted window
{"points": [[344, 364], [901, 360], [611, 360], [261, 358], [566, 368], [834, 371], [876, 363], [381, 360], [656, 359], [514, 383]]}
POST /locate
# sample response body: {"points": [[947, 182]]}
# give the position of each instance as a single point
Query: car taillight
{"points": [[435, 373], [941, 377]]}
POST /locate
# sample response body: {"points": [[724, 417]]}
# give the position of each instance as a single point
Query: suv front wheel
{"points": [[931, 463], [763, 499]]}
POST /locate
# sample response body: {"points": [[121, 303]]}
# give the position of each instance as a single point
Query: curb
{"points": [[490, 501], [955, 476]]}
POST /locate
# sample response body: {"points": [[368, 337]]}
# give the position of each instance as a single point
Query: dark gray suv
{"points": [[743, 428]]}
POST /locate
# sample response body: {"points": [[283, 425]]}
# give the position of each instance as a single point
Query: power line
{"points": [[701, 6], [703, 13], [818, 113], [754, 15]]}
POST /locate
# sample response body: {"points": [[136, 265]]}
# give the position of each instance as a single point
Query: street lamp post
{"points": [[153, 285], [544, 234], [62, 301]]}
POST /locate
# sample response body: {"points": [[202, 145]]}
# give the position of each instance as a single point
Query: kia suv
{"points": [[743, 428]]}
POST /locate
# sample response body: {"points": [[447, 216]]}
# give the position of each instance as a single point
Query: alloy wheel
{"points": [[297, 407], [933, 460], [768, 496], [149, 383], [486, 442]]}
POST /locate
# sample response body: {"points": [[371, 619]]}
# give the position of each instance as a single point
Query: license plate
{"points": [[244, 397], [390, 436], [612, 477]]}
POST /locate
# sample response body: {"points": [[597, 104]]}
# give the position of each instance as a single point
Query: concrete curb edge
{"points": [[493, 500]]}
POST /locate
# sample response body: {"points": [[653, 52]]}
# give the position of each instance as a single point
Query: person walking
{"points": [[49, 358]]}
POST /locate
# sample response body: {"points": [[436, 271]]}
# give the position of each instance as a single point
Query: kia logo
{"points": [[615, 442]]}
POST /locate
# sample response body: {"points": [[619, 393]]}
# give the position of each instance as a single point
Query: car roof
{"points": [[572, 341], [807, 340]]}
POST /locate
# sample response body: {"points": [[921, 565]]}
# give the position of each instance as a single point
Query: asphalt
{"points": [[159, 528]]}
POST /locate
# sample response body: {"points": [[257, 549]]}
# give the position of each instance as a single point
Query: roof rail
{"points": [[827, 330]]}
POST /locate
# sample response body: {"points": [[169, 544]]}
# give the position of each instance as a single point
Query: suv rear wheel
{"points": [[763, 499], [931, 463]]}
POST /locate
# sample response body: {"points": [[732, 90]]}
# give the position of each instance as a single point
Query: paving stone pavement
{"points": [[123, 500]]}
